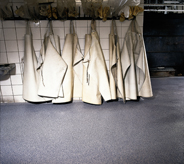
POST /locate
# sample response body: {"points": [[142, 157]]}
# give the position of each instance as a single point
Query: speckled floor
{"points": [[149, 131]]}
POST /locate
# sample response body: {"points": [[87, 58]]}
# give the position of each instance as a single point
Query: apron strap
{"points": [[113, 28], [28, 30], [50, 28], [93, 25], [72, 29]]}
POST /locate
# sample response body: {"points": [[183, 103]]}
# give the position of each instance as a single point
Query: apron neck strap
{"points": [[113, 28], [27, 28], [50, 28], [93, 25], [72, 29]]}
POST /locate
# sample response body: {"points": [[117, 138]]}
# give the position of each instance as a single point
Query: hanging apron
{"points": [[134, 65], [72, 83], [115, 71], [31, 74], [77, 67], [95, 77], [53, 67]]}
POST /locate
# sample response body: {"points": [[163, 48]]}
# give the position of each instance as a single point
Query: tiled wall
{"points": [[12, 47]]}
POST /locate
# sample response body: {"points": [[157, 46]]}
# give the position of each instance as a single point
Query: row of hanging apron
{"points": [[134, 64], [52, 77], [95, 76], [59, 78]]}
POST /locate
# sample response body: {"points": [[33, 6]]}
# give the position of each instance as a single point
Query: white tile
{"points": [[124, 31], [104, 44], [37, 45], [2, 46], [126, 23], [17, 89], [119, 32], [106, 54], [3, 58], [1, 34], [118, 23], [67, 23], [22, 68], [107, 64], [21, 33], [9, 34], [89, 24], [82, 43], [82, 23], [19, 99], [17, 69], [61, 44], [16, 79], [81, 32], [11, 46], [21, 57], [33, 24], [5, 80], [104, 32], [20, 23], [6, 90], [8, 99], [8, 24], [21, 45], [59, 32], [36, 33], [58, 23], [13, 57], [44, 23], [43, 31], [106, 23], [120, 44], [37, 54], [67, 31], [82, 51], [98, 26]]}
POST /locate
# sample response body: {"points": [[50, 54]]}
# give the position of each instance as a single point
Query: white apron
{"points": [[77, 68], [95, 77], [115, 70], [72, 83], [31, 74], [53, 68], [134, 65]]}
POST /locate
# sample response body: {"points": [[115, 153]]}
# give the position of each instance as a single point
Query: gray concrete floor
{"points": [[149, 131]]}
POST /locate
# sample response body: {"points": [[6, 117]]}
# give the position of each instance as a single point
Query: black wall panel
{"points": [[164, 40]]}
